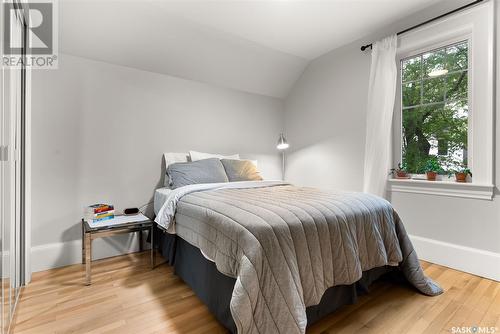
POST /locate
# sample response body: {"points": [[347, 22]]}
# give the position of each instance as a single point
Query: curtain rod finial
{"points": [[364, 47]]}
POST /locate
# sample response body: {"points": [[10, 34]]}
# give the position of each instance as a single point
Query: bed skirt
{"points": [[215, 289]]}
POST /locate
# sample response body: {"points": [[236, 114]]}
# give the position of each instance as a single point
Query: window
{"points": [[435, 107], [444, 107]]}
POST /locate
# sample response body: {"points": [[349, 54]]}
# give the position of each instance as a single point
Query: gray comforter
{"points": [[286, 245]]}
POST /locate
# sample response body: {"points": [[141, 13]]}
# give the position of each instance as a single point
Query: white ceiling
{"points": [[257, 46], [307, 28]]}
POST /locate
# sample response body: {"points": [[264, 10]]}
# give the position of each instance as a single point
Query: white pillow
{"points": [[200, 156], [171, 158]]}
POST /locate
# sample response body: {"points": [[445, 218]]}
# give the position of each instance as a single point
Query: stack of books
{"points": [[99, 212]]}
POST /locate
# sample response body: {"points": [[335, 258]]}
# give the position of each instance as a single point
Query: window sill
{"points": [[442, 188]]}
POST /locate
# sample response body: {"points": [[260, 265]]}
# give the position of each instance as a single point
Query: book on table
{"points": [[98, 208], [99, 212]]}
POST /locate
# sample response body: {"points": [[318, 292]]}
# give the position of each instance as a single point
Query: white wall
{"points": [[325, 121], [325, 125], [99, 132]]}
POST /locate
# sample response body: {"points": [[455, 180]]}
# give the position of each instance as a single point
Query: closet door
{"points": [[5, 199], [17, 143], [12, 179]]}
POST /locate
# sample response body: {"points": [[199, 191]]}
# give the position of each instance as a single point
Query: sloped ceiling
{"points": [[260, 47]]}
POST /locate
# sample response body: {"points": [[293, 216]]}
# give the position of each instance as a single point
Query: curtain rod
{"points": [[364, 47]]}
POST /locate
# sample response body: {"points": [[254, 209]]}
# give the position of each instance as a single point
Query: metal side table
{"points": [[89, 233]]}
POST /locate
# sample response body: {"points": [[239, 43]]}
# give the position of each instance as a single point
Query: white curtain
{"points": [[381, 97]]}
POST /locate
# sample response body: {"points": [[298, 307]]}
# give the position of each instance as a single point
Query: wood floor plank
{"points": [[126, 296], [492, 315]]}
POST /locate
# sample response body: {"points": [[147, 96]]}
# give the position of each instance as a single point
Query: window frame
{"points": [[476, 26]]}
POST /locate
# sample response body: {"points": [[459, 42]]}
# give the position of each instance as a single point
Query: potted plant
{"points": [[400, 172], [432, 168], [461, 174]]}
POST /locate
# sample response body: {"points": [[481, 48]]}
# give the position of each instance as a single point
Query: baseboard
{"points": [[471, 260], [62, 254]]}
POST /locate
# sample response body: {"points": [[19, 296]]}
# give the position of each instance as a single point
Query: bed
{"points": [[269, 257]]}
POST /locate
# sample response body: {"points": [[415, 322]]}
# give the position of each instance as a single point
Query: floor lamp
{"points": [[282, 146]]}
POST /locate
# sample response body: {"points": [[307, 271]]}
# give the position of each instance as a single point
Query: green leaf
{"points": [[434, 89], [411, 69], [434, 61], [457, 86], [411, 94], [457, 57]]}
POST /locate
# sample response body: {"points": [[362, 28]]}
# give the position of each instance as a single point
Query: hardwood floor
{"points": [[127, 297]]}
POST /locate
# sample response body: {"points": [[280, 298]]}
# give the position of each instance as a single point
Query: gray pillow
{"points": [[201, 171], [241, 170]]}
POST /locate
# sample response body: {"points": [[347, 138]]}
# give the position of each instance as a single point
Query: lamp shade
{"points": [[282, 144]]}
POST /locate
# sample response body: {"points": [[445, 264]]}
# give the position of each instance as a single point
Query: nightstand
{"points": [[119, 225]]}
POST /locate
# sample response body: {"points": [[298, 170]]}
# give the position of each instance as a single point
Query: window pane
{"points": [[434, 89], [457, 86], [457, 57], [416, 140], [412, 69], [435, 113], [411, 94], [434, 61], [449, 125], [442, 146]]}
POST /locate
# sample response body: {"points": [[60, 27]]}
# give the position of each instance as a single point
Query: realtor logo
{"points": [[31, 24]]}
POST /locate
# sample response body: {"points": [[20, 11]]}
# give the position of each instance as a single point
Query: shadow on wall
{"points": [[148, 209], [68, 253], [329, 164]]}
